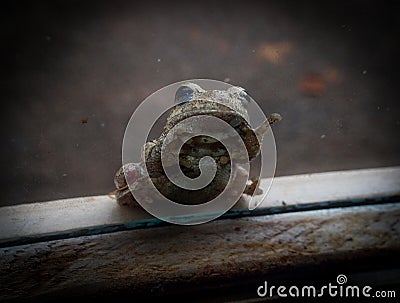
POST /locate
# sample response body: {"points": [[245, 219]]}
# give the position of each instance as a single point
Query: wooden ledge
{"points": [[331, 223], [180, 260]]}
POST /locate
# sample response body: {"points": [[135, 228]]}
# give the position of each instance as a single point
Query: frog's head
{"points": [[229, 105], [192, 100]]}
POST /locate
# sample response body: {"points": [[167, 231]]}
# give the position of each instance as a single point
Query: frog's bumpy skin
{"points": [[199, 166]]}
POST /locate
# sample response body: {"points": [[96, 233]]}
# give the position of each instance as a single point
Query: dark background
{"points": [[74, 71]]}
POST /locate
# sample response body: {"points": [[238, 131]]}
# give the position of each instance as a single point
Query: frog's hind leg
{"points": [[125, 198]]}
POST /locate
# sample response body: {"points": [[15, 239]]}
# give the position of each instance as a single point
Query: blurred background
{"points": [[74, 71]]}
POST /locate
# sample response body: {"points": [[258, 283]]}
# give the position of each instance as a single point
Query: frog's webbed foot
{"points": [[127, 174], [251, 188]]}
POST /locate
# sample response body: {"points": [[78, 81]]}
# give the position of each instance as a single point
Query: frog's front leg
{"points": [[261, 130], [251, 188]]}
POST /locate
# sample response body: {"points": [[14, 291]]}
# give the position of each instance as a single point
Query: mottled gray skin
{"points": [[194, 101]]}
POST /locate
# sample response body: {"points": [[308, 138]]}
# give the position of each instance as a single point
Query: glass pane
{"points": [[74, 73]]}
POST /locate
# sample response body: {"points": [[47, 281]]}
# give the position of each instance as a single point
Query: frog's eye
{"points": [[245, 98], [183, 95]]}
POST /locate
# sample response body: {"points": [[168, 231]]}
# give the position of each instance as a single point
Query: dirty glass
{"points": [[74, 71]]}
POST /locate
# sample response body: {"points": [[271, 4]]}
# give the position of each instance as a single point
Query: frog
{"points": [[191, 100]]}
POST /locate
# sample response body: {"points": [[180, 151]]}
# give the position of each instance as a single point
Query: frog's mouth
{"points": [[207, 107], [232, 117]]}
